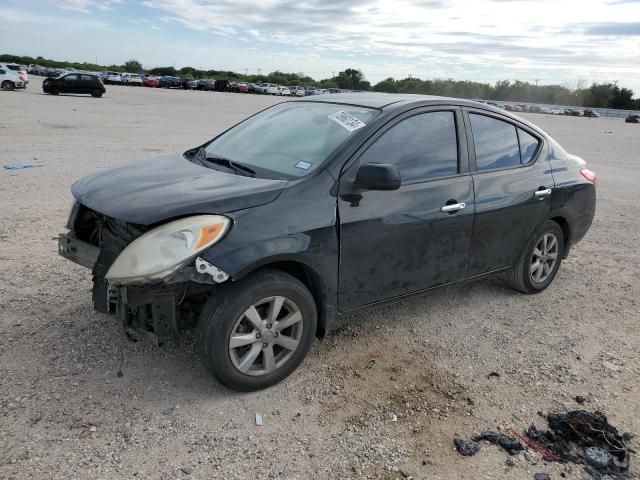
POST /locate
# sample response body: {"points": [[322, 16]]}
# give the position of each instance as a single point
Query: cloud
{"points": [[86, 6], [614, 29]]}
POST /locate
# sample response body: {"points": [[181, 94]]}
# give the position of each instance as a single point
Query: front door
{"points": [[398, 242], [70, 84], [513, 185]]}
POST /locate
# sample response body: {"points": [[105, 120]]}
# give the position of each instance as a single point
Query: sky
{"points": [[568, 42]]}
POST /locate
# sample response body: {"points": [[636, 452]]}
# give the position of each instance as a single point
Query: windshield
{"points": [[291, 139]]}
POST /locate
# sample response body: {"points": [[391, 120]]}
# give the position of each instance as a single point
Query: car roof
{"points": [[382, 100]]}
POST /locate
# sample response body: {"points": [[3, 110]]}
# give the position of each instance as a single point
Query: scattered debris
{"points": [[21, 166], [258, 419], [542, 476], [186, 470], [493, 374], [598, 457], [510, 444], [580, 399], [371, 363], [547, 454], [586, 438], [466, 449]]}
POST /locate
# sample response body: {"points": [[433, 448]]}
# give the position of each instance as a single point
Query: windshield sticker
{"points": [[303, 165], [347, 120]]}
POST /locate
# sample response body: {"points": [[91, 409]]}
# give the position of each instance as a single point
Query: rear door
{"points": [[86, 84], [398, 242], [513, 185]]}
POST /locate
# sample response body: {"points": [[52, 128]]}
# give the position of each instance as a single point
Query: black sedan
{"points": [[312, 209], [74, 83]]}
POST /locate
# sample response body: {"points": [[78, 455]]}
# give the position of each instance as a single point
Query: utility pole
{"points": [[537, 80], [259, 72], [246, 72]]}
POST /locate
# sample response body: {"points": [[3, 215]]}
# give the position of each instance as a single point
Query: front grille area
{"points": [[111, 236]]}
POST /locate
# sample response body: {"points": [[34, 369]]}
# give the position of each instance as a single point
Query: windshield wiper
{"points": [[238, 168]]}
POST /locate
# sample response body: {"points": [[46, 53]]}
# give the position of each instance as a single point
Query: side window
{"points": [[86, 78], [496, 143], [2, 72], [528, 145], [70, 78], [422, 147]]}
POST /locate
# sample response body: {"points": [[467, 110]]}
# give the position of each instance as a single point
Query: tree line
{"points": [[602, 95]]}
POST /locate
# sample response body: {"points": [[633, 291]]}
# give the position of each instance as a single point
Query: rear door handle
{"points": [[543, 192], [453, 207]]}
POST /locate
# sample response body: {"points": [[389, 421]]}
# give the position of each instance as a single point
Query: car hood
{"points": [[170, 186]]}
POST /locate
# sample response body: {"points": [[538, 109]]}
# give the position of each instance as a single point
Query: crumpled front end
{"points": [[157, 308]]}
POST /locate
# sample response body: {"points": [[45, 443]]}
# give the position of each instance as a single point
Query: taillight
{"points": [[22, 77], [589, 175]]}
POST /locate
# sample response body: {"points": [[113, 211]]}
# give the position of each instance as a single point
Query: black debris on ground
{"points": [[466, 448], [542, 476], [580, 399], [510, 444], [585, 438], [471, 447]]}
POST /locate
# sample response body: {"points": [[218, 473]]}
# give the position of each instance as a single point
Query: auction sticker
{"points": [[304, 165], [347, 120]]}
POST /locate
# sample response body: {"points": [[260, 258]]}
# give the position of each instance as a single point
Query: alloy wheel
{"points": [[544, 258], [266, 336]]}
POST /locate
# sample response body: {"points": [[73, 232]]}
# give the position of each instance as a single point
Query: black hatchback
{"points": [[312, 209], [74, 83]]}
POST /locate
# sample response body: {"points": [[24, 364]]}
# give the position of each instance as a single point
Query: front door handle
{"points": [[542, 192], [454, 207]]}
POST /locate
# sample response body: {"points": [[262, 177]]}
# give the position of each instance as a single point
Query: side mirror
{"points": [[378, 176]]}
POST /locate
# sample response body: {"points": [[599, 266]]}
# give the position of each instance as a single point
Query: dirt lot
{"points": [[64, 413]]}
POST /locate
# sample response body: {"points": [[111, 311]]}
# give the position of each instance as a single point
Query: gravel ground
{"points": [[64, 413]]}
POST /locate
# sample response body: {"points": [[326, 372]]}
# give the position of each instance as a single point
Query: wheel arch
{"points": [[566, 231], [311, 279]]}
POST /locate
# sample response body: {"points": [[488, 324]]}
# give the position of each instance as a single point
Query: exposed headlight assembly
{"points": [[164, 249]]}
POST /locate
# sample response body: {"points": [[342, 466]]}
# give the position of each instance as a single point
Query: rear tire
{"points": [[540, 260], [55, 90], [271, 351], [8, 85], [97, 93]]}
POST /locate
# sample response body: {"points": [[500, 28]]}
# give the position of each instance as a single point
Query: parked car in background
{"points": [[556, 111], [590, 113], [10, 80], [242, 87], [112, 78], [284, 91], [298, 92], [131, 79], [168, 81], [190, 84], [264, 87], [380, 181], [20, 70], [252, 88], [633, 118], [309, 91], [222, 86], [151, 81], [205, 85], [272, 89], [74, 83]]}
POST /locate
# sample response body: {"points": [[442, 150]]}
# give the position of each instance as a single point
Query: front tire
{"points": [[8, 85], [538, 264], [254, 333]]}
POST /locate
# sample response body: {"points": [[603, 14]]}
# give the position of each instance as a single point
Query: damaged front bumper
{"points": [[157, 309]]}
